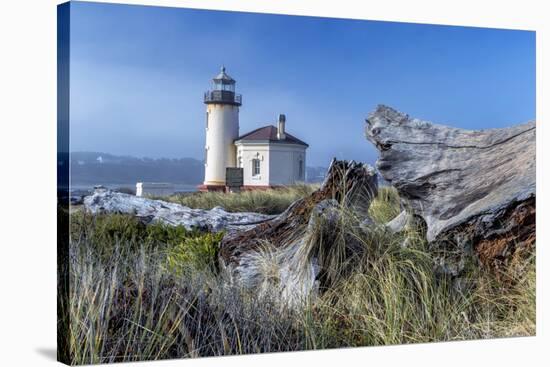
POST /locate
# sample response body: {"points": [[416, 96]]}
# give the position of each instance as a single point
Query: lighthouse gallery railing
{"points": [[222, 96]]}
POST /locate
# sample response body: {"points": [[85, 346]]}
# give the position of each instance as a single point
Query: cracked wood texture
{"points": [[474, 189]]}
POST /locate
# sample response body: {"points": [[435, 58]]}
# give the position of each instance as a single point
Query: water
{"points": [[88, 188]]}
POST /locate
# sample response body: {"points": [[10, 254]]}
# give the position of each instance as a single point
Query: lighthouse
{"points": [[263, 158], [222, 129]]}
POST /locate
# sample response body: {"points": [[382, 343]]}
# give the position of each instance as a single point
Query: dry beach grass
{"points": [[153, 292], [271, 201]]}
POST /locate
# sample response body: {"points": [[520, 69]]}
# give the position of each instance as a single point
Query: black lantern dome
{"points": [[223, 90]]}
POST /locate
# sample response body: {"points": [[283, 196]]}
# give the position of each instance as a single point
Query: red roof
{"points": [[269, 133]]}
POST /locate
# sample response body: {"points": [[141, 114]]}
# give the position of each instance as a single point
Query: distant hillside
{"points": [[93, 168], [97, 168]]}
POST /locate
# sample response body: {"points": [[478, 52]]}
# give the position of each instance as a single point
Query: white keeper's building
{"points": [[269, 156]]}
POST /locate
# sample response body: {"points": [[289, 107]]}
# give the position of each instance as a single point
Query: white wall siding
{"points": [[285, 164], [279, 163]]}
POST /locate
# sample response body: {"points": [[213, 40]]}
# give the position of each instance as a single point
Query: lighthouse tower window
{"points": [[255, 167]]}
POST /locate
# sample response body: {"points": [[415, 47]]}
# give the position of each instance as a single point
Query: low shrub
{"points": [[195, 253], [104, 233]]}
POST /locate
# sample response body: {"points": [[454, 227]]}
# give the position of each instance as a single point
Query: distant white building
{"points": [[154, 189], [269, 156]]}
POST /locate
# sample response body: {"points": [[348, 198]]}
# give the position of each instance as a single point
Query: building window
{"points": [[205, 156], [255, 167], [300, 169], [206, 120]]}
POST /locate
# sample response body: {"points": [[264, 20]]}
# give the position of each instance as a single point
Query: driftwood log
{"points": [[291, 254], [475, 190], [158, 211]]}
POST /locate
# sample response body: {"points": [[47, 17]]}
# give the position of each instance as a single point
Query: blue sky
{"points": [[138, 74]]}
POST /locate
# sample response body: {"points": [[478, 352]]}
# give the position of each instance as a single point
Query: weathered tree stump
{"points": [[474, 189], [290, 253]]}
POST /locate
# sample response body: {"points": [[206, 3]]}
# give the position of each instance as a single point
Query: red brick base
{"points": [[210, 188]]}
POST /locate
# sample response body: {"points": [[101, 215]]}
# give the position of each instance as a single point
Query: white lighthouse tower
{"points": [[222, 129]]}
